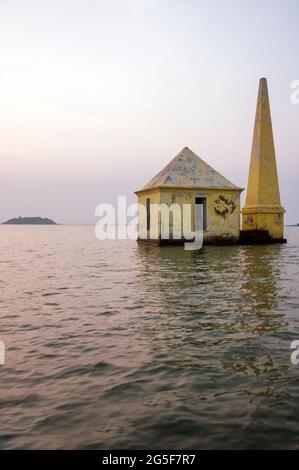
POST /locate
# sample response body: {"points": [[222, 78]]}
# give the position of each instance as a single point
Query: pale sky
{"points": [[97, 96]]}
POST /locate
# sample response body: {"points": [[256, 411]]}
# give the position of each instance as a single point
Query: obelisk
{"points": [[263, 211]]}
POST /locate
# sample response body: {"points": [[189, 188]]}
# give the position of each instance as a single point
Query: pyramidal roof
{"points": [[189, 171]]}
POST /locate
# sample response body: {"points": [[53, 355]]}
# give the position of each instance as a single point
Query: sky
{"points": [[98, 96]]}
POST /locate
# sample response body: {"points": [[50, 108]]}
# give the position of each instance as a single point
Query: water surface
{"points": [[114, 345]]}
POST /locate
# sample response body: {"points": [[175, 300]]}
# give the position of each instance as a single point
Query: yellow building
{"points": [[262, 215], [189, 181]]}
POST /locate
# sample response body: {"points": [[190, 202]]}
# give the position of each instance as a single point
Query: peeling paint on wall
{"points": [[278, 220], [249, 220]]}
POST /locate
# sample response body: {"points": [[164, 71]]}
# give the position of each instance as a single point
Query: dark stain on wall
{"points": [[224, 206]]}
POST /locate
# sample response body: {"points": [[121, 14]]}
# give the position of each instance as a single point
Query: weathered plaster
{"points": [[263, 210]]}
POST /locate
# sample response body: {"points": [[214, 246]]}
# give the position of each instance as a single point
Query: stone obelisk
{"points": [[263, 212]]}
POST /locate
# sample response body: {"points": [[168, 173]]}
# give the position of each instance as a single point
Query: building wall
{"points": [[223, 212], [154, 197]]}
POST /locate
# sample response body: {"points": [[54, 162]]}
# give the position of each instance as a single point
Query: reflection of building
{"points": [[259, 274], [188, 181]]}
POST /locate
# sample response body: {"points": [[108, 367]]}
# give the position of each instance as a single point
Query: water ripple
{"points": [[115, 345]]}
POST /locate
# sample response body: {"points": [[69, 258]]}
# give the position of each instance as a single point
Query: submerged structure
{"points": [[189, 181], [262, 215]]}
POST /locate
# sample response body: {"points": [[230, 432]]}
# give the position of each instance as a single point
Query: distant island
{"points": [[30, 221]]}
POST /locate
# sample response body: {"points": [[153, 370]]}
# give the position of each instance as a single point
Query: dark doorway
{"points": [[148, 214], [203, 202]]}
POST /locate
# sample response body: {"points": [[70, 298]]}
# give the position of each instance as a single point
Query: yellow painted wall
{"points": [[223, 209], [154, 197], [273, 222]]}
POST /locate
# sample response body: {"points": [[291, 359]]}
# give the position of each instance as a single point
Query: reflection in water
{"points": [[260, 271], [218, 289], [221, 310], [146, 347]]}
